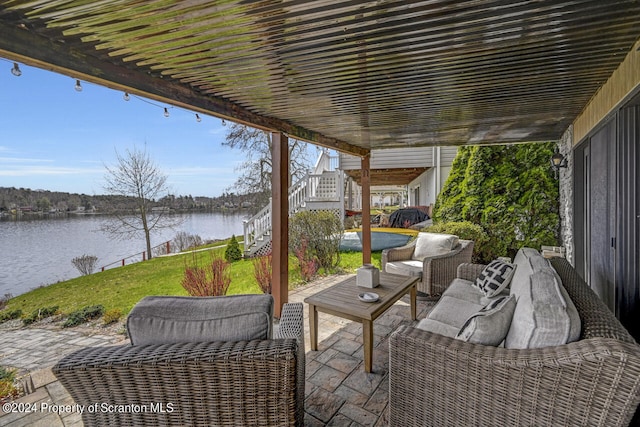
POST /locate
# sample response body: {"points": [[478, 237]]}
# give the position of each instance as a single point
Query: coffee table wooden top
{"points": [[343, 297]]}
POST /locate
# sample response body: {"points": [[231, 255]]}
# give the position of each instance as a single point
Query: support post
{"points": [[280, 220], [366, 209]]}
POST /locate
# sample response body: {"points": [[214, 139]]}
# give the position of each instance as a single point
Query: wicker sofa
{"points": [[215, 383], [438, 380], [433, 257]]}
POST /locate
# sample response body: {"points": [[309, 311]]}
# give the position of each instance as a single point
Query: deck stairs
{"points": [[320, 189]]}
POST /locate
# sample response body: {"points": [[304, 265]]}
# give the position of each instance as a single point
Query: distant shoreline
{"points": [[26, 216]]}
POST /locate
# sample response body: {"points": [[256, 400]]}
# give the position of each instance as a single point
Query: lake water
{"points": [[39, 252]]}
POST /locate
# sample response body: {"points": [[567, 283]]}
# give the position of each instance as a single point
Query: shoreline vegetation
{"points": [[25, 215], [24, 203], [119, 289]]}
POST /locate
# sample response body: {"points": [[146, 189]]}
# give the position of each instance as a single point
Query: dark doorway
{"points": [[607, 213]]}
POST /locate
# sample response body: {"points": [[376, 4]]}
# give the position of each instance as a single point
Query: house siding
{"points": [[391, 158], [621, 86]]}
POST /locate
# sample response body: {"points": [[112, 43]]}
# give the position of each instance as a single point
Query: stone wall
{"points": [[565, 146]]}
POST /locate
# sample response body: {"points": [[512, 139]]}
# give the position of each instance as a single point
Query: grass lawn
{"points": [[121, 288]]}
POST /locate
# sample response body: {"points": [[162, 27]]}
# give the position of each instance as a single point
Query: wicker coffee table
{"points": [[342, 300]]}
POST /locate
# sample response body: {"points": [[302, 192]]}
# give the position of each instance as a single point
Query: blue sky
{"points": [[54, 138]]}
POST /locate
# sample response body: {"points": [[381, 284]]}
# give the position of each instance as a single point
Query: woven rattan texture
{"points": [[437, 271], [597, 319], [254, 383], [440, 381]]}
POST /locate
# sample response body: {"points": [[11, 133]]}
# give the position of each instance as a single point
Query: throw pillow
{"points": [[433, 244], [495, 277], [491, 324], [170, 319]]}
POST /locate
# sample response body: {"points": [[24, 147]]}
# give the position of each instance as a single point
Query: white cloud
{"points": [[201, 171], [23, 160], [36, 170]]}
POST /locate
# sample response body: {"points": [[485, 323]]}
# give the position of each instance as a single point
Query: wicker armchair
{"points": [[436, 271], [243, 383], [440, 381]]}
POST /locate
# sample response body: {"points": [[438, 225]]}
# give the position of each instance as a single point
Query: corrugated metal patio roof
{"points": [[352, 75]]}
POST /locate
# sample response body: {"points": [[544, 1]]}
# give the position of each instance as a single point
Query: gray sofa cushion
{"points": [[404, 268], [490, 325], [453, 311], [437, 327], [540, 318], [544, 315], [432, 244], [168, 319], [464, 290]]}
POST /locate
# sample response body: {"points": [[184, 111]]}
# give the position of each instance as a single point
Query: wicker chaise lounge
{"points": [[437, 380], [258, 382]]}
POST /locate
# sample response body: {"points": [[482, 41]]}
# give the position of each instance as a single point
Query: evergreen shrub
{"points": [[508, 190], [40, 314], [10, 315], [233, 253], [83, 315], [465, 230]]}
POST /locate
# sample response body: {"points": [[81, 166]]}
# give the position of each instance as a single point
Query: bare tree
{"points": [[85, 263], [135, 175], [255, 170], [183, 240]]}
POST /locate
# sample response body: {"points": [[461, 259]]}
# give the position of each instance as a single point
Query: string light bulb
{"points": [[126, 96], [198, 119], [166, 112], [78, 86], [16, 70]]}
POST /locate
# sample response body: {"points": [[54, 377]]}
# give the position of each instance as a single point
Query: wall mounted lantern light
{"points": [[558, 161]]}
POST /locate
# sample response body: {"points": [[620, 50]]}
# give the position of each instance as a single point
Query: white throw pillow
{"points": [[432, 244], [491, 324], [495, 277]]}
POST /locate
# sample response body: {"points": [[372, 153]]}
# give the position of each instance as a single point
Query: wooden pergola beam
{"points": [[280, 220], [366, 209]]}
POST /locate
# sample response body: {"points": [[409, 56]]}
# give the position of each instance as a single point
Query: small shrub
{"points": [[7, 374], [39, 314], [10, 315], [8, 390], [209, 281], [85, 264], [262, 271], [320, 232], [233, 253], [465, 230], [160, 250], [111, 316], [4, 300], [83, 315], [308, 265], [184, 240]]}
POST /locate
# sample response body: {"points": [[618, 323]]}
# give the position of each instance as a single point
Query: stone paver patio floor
{"points": [[338, 391]]}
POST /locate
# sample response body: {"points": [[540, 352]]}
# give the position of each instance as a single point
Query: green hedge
{"points": [[508, 190], [464, 230]]}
